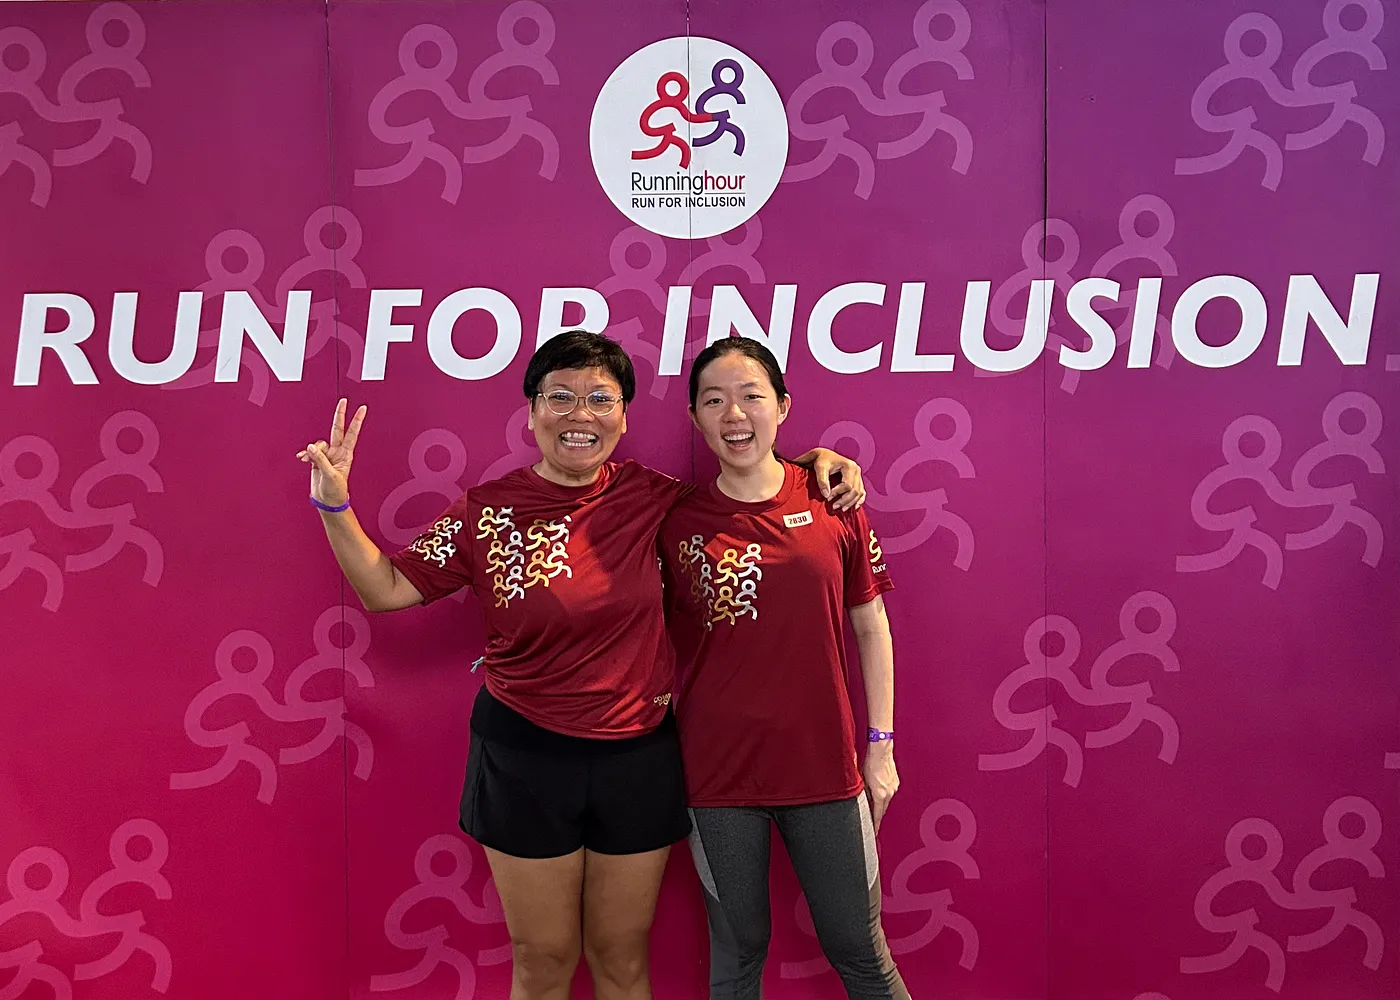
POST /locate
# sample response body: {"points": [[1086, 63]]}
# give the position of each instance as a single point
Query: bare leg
{"points": [[619, 901], [542, 900]]}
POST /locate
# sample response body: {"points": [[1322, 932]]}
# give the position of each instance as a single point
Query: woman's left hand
{"points": [[849, 493], [881, 779]]}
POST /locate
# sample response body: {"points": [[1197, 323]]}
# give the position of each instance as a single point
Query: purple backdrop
{"points": [[1146, 626]]}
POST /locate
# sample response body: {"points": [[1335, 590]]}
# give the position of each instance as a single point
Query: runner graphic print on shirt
{"points": [[546, 542], [570, 593], [728, 592], [762, 677], [435, 545]]}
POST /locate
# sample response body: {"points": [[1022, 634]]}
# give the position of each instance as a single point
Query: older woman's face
{"points": [[575, 445]]}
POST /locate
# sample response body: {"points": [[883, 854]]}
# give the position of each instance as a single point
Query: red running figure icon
{"points": [[667, 133]]}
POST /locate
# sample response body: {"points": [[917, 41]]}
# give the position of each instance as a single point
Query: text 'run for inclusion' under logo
{"points": [[689, 137]]}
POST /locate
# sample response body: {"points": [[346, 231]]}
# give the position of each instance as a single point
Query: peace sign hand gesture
{"points": [[330, 460]]}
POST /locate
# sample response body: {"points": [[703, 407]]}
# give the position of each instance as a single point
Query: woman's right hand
{"points": [[330, 460]]}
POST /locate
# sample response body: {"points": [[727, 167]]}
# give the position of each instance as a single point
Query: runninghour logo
{"points": [[689, 137]]}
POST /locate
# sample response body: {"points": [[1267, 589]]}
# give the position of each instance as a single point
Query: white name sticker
{"points": [[796, 520]]}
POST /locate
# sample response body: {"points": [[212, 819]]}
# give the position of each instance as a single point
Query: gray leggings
{"points": [[832, 847]]}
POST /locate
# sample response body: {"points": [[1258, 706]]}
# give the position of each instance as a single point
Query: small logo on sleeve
{"points": [[877, 554], [436, 545], [797, 520]]}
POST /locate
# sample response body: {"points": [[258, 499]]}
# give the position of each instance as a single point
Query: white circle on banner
{"points": [[689, 137]]}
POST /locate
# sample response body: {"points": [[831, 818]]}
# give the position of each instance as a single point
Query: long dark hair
{"points": [[749, 348]]}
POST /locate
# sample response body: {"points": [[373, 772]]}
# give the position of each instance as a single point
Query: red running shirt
{"points": [[571, 589], [756, 594]]}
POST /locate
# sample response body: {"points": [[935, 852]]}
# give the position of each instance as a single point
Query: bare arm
{"points": [[876, 646], [378, 584]]}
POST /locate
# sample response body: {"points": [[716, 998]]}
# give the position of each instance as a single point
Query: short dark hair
{"points": [[749, 348], [575, 349]]}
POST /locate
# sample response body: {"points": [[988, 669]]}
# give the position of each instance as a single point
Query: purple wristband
{"points": [[877, 735], [328, 508]]}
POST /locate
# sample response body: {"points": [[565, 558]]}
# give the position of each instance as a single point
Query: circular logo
{"points": [[689, 137]]}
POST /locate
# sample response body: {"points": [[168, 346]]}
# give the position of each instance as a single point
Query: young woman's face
{"points": [[577, 443], [738, 410]]}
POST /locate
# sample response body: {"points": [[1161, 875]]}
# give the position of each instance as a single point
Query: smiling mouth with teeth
{"points": [[738, 438], [577, 439]]}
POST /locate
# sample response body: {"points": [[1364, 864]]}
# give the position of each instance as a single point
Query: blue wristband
{"points": [[876, 735], [328, 508]]}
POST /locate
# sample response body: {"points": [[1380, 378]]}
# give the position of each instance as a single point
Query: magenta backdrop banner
{"points": [[1098, 294]]}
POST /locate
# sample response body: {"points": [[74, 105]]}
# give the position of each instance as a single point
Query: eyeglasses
{"points": [[561, 402]]}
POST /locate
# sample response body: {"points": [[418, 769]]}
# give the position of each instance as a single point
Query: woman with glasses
{"points": [[573, 785], [759, 570]]}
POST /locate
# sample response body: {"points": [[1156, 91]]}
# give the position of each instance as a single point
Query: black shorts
{"points": [[534, 793]]}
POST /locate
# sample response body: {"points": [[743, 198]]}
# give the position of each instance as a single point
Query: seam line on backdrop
{"points": [[689, 352], [689, 125], [1045, 451], [337, 348]]}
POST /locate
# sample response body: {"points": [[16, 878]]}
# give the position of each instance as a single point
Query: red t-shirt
{"points": [[755, 599], [569, 583]]}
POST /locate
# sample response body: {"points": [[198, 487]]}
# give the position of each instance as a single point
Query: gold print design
{"points": [[490, 524], [496, 556], [545, 565], [507, 587], [508, 567], [738, 584], [512, 575], [542, 531], [690, 552], [505, 560], [697, 569], [436, 545], [877, 555]]}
